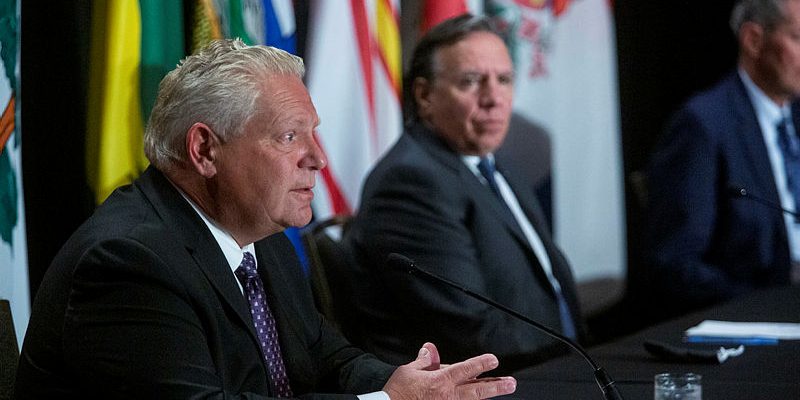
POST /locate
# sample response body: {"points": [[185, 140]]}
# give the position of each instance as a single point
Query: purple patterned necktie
{"points": [[264, 323]]}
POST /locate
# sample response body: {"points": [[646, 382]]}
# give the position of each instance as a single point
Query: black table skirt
{"points": [[762, 372]]}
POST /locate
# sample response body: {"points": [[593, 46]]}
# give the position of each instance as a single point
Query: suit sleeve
{"points": [[685, 185]]}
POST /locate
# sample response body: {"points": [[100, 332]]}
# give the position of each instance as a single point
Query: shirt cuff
{"points": [[374, 396]]}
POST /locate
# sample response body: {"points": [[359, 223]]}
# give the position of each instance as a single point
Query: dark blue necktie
{"points": [[565, 315], [247, 273], [486, 167], [790, 147]]}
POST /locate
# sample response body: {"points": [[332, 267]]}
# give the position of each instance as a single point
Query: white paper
{"points": [[771, 330]]}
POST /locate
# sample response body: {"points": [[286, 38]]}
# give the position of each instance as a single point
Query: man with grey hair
{"points": [[182, 285], [728, 164]]}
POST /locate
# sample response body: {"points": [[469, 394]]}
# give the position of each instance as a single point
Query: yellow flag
{"points": [[114, 152]]}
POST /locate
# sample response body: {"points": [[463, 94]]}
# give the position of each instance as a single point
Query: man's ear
{"points": [[422, 91], [202, 148], [751, 39]]}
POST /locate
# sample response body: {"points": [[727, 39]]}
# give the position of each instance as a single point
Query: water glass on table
{"points": [[678, 386]]}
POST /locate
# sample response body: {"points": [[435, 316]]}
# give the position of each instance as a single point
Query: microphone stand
{"points": [[602, 377]]}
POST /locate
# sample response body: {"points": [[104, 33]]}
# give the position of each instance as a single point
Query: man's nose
{"points": [[490, 93], [315, 157]]}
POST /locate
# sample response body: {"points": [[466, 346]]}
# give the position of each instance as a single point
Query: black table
{"points": [[762, 372]]}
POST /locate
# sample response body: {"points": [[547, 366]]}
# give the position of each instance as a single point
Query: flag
{"points": [[204, 25], [354, 76], [13, 248], [244, 19], [436, 11], [566, 80], [162, 41], [134, 44], [279, 25]]}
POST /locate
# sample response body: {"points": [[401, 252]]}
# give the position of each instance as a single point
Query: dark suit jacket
{"points": [[141, 303], [705, 244], [423, 202]]}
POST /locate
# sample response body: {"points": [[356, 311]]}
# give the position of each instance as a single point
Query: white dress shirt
{"points": [[769, 115]]}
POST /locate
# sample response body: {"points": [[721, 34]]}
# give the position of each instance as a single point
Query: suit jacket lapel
{"points": [[279, 294], [274, 267], [529, 204], [193, 234], [560, 266], [486, 197], [437, 148], [527, 201]]}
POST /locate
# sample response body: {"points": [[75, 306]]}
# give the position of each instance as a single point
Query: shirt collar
{"points": [[230, 248], [472, 162], [763, 105]]}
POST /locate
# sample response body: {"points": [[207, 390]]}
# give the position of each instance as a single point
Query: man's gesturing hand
{"points": [[425, 379]]}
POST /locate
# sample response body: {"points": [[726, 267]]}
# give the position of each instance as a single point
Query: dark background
{"points": [[666, 50]]}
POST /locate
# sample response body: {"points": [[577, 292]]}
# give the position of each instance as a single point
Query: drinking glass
{"points": [[678, 386]]}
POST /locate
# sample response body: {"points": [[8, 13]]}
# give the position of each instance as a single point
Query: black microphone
{"points": [[603, 379], [740, 192]]}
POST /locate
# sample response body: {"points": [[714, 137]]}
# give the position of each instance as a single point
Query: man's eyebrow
{"points": [[292, 121]]}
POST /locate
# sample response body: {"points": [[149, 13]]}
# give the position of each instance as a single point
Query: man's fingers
{"points": [[427, 358], [423, 379], [423, 360], [471, 368], [433, 352], [485, 388]]}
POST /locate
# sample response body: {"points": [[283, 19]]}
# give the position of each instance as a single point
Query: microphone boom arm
{"points": [[740, 192], [602, 377]]}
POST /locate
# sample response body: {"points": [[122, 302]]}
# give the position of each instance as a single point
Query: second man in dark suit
{"points": [[437, 198], [706, 242]]}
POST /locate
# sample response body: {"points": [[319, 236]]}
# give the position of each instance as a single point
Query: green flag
{"points": [[134, 44], [13, 248]]}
